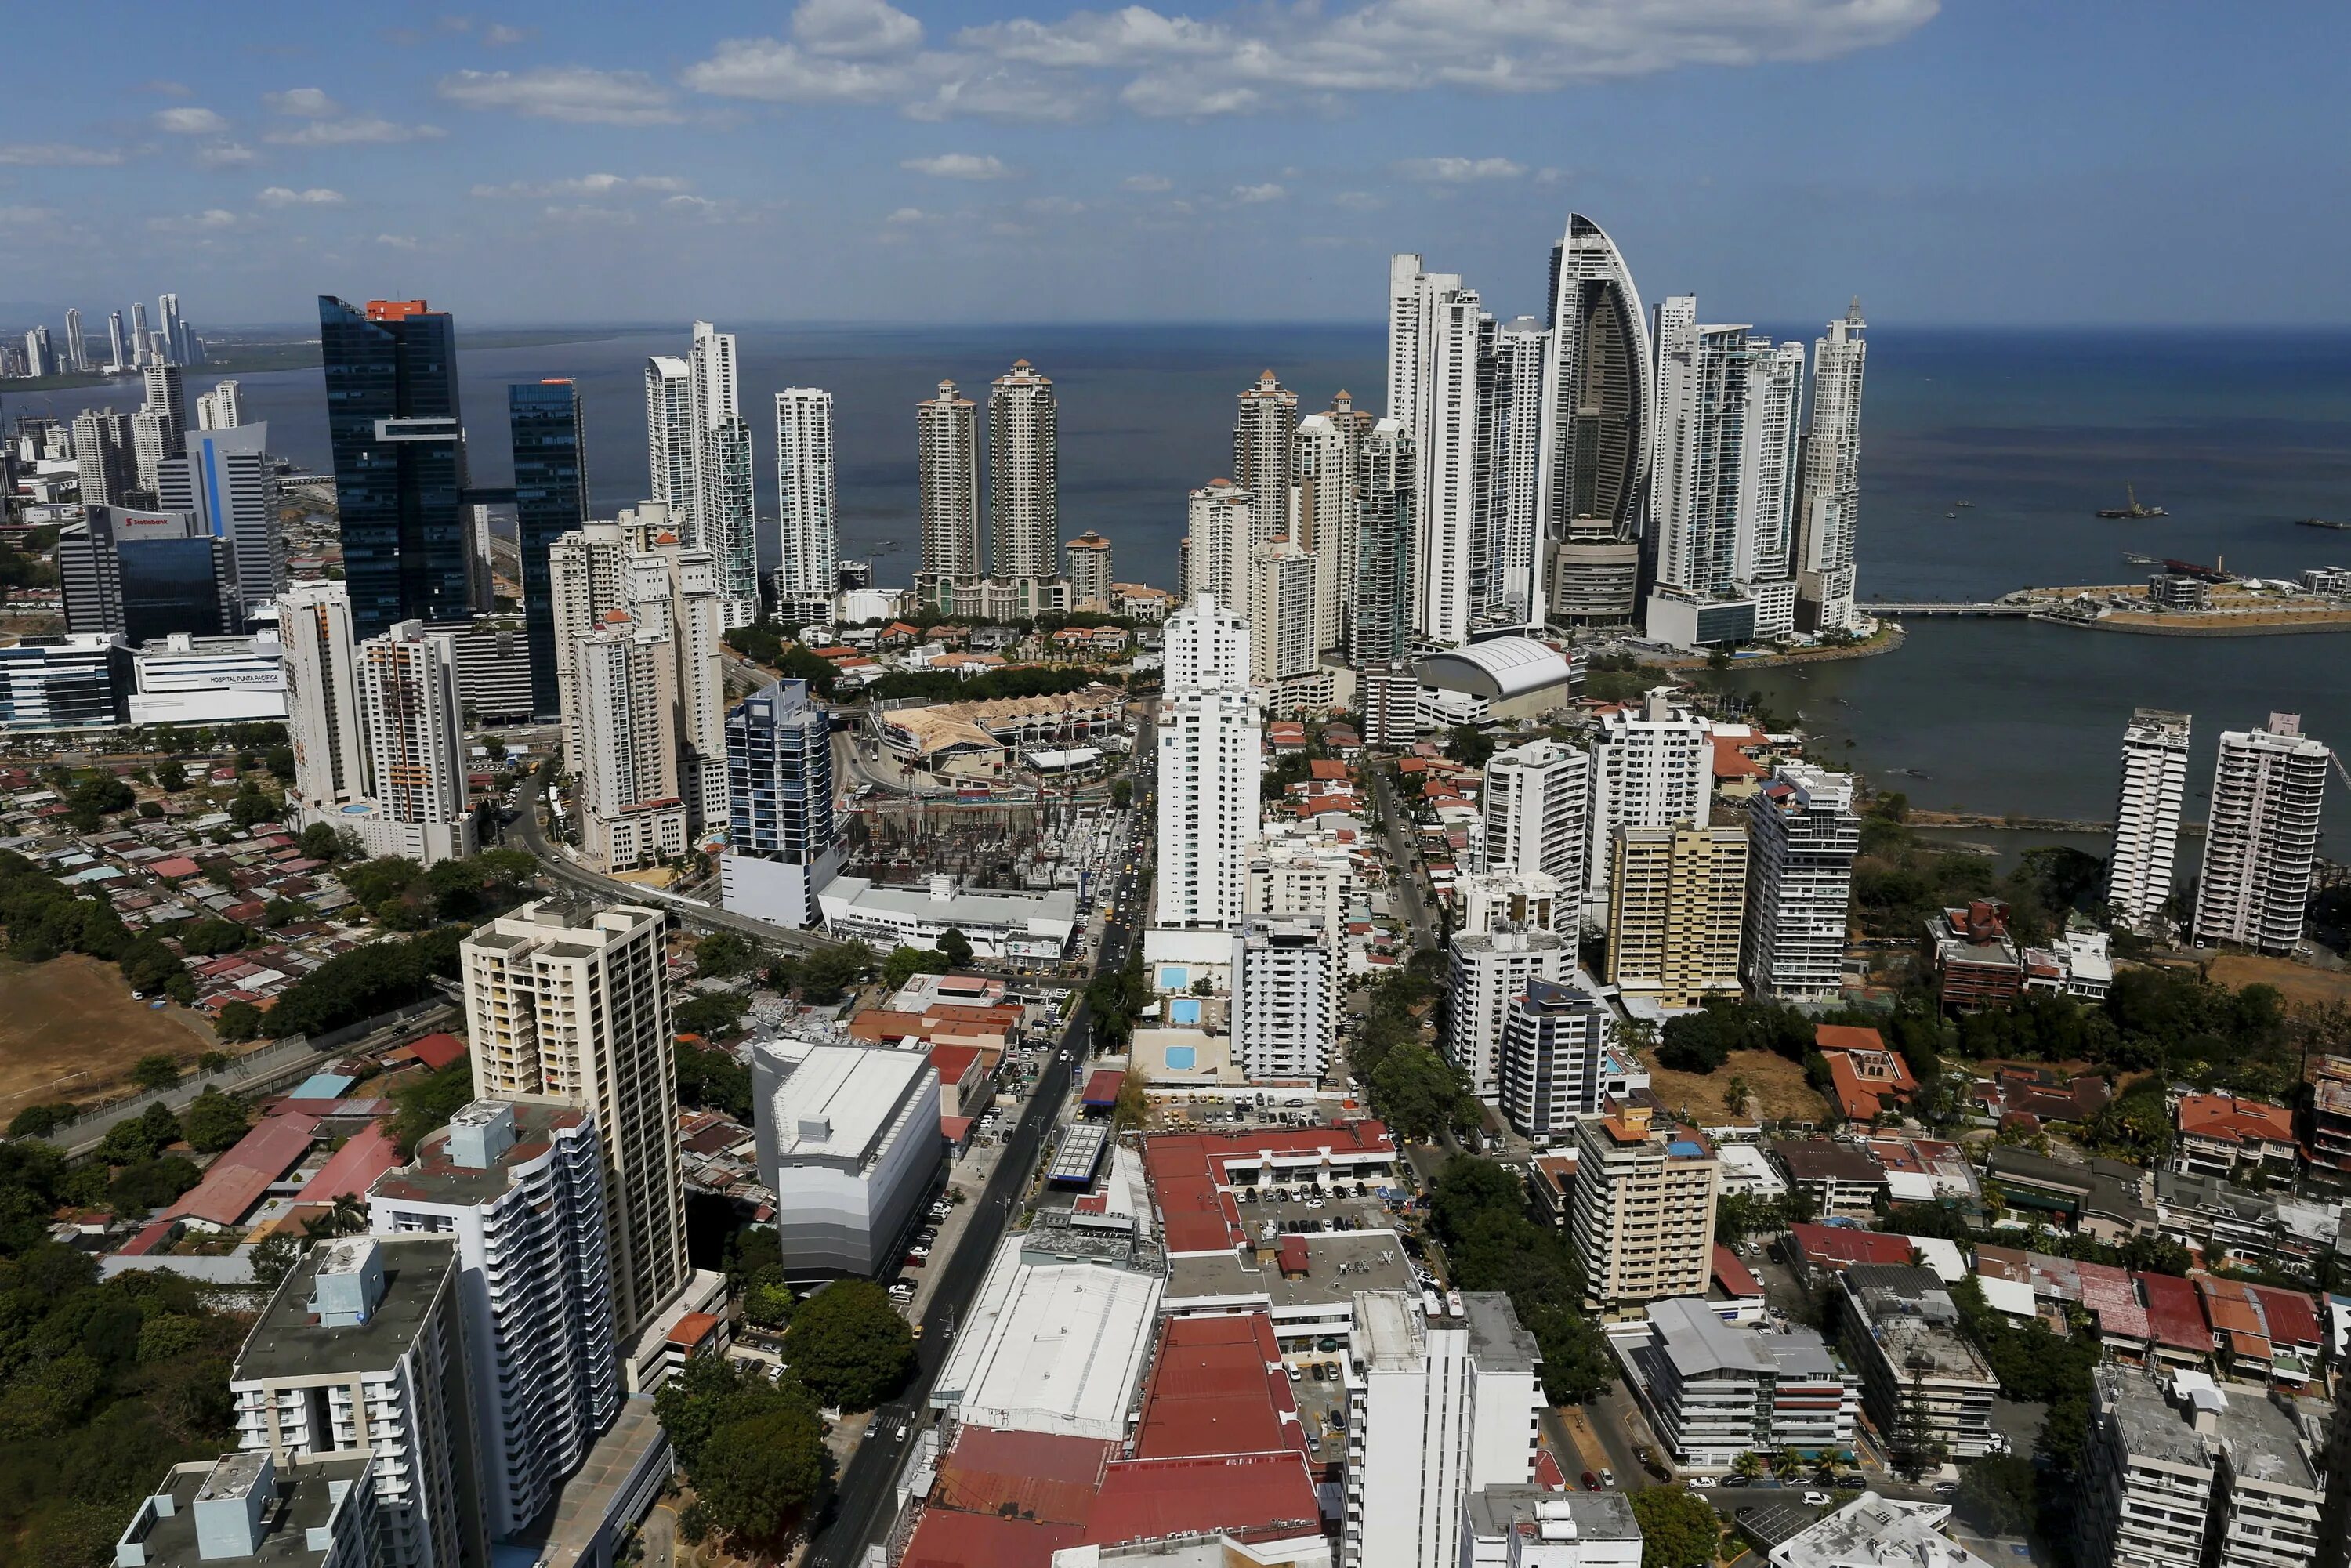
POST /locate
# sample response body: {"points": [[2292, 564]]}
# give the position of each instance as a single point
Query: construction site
{"points": [[1034, 845]]}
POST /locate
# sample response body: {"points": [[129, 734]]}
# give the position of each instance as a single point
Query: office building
{"points": [[1438, 1408], [1265, 456], [1533, 1527], [222, 475], [1280, 607], [305, 1513], [566, 1001], [399, 450], [2262, 841], [1536, 800], [142, 575], [65, 683], [2147, 820], [1714, 1390], [1927, 1390], [1828, 510], [1024, 474], [849, 1143], [362, 1348], [1329, 472], [1677, 907], [1488, 970], [1215, 559], [1651, 766], [946, 442], [102, 456], [219, 409], [1210, 765], [519, 1188], [1379, 613], [545, 423], [1597, 431], [1432, 340], [1642, 1220], [1087, 568], [808, 557], [1285, 999], [195, 681], [1553, 1040], [1803, 836], [783, 844]]}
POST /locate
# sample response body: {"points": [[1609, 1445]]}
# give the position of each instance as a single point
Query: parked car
{"points": [[1607, 1477], [1820, 1498], [1700, 1483], [1590, 1481], [911, 1261]]}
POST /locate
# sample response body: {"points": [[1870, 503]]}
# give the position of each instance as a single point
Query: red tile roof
{"points": [[2226, 1119], [1144, 1500], [693, 1329], [237, 1180], [1043, 1475], [1197, 1215], [2292, 1318], [436, 1051], [1847, 1036], [354, 1167], [1216, 1386], [1838, 1247], [1736, 1279], [1730, 762], [174, 868], [2173, 1315], [949, 1539], [1101, 1086], [954, 1062]]}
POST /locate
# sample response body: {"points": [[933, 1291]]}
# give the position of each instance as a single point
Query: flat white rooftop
{"points": [[840, 1099], [1052, 1347]]}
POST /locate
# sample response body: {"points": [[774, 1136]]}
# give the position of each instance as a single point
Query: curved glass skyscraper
{"points": [[1599, 403]]}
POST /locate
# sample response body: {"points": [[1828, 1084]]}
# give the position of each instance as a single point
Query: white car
{"points": [[1700, 1483], [1816, 1499]]}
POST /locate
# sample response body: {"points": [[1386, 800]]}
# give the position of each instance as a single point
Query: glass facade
{"points": [[400, 460], [779, 776], [172, 585], [551, 484], [59, 683]]}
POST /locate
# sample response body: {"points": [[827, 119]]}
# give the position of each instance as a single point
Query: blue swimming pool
{"points": [[1180, 1057], [1184, 1010]]}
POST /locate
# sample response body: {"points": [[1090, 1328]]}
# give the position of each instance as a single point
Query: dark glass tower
{"points": [[400, 460], [550, 470]]}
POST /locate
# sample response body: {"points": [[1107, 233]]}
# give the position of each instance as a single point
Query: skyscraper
{"points": [[1703, 403], [1280, 612], [1829, 511], [1642, 1220], [399, 453], [1537, 804], [1024, 474], [167, 313], [566, 1000], [141, 339], [1509, 462], [1330, 509], [946, 442], [1677, 911], [220, 409], [1433, 342], [222, 474], [102, 456], [118, 352], [1265, 456], [1596, 431], [544, 424], [167, 395], [1484, 972], [2146, 818], [2261, 844], [782, 843], [807, 565], [1285, 1000], [1803, 836], [151, 443], [1217, 522], [623, 708], [1651, 768], [1209, 765], [77, 347], [144, 575], [1088, 567], [669, 438], [1379, 625], [723, 521], [1553, 1037], [322, 700]]}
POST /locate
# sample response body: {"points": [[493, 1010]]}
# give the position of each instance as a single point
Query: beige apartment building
{"points": [[565, 1001], [1642, 1217], [1677, 907]]}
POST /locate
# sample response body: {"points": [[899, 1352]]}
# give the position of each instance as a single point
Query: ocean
{"points": [[2235, 433]]}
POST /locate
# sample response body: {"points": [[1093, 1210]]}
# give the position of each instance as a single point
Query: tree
{"points": [[318, 842], [1469, 746], [713, 1080], [1678, 1529], [237, 1021], [768, 1304], [1785, 1465], [711, 1016], [955, 948], [1996, 1494], [427, 1103], [828, 974], [1418, 1093], [170, 775], [1748, 1465], [158, 1071], [250, 805], [40, 1121], [756, 1474], [724, 953], [346, 1216], [849, 1345], [213, 1122], [905, 963], [1133, 1107], [1122, 794]]}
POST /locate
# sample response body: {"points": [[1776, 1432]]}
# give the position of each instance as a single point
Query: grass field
{"points": [[1774, 1080], [74, 1016], [2295, 982]]}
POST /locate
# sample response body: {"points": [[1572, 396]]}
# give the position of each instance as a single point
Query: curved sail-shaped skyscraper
{"points": [[1597, 434]]}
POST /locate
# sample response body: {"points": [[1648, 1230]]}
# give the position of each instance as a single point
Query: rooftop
{"points": [[1338, 1263], [1497, 1511], [983, 906], [435, 1177], [287, 1342], [840, 1101], [1217, 1386], [303, 1496], [1050, 1347], [1873, 1532], [1915, 1322], [1692, 1336]]}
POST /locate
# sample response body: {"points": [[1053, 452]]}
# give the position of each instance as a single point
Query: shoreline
{"points": [[1891, 635], [2316, 621]]}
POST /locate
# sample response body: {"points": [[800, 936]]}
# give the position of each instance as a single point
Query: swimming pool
{"points": [[1184, 1010], [1181, 1058]]}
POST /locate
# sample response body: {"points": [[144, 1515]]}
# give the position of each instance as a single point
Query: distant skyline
{"points": [[1022, 160]]}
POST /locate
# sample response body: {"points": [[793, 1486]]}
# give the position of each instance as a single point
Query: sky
{"points": [[1982, 162]]}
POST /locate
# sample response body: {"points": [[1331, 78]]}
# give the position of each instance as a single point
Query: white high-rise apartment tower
{"points": [[1216, 558], [141, 339], [1485, 970], [118, 352], [725, 523], [669, 438], [1650, 768], [568, 1001], [102, 456], [1088, 567], [77, 348], [804, 493], [1538, 803], [1510, 372], [1803, 836], [1265, 456], [1772, 457], [2146, 818], [1285, 999], [1694, 497], [1433, 341], [947, 439], [1330, 509], [1829, 512], [167, 395], [322, 701], [1024, 474], [1210, 759], [2261, 844], [167, 310], [219, 409]]}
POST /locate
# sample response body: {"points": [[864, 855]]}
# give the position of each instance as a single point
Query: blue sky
{"points": [[1021, 159]]}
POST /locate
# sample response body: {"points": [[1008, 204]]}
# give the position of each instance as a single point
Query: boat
{"points": [[2320, 523], [1963, 505], [1950, 514], [2133, 509]]}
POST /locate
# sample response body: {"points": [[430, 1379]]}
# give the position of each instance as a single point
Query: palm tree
{"points": [[348, 1217], [1748, 1465], [1786, 1466], [1734, 1099]]}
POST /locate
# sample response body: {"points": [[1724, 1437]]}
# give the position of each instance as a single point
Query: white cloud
{"points": [[287, 196], [587, 212], [1052, 206], [908, 215], [225, 155], [1458, 171], [571, 93], [585, 185], [854, 29], [1170, 97], [193, 223], [960, 167], [1549, 176], [57, 155], [1358, 200], [345, 132], [1146, 183], [497, 35], [189, 121], [310, 102], [994, 92], [1134, 37], [778, 72], [1256, 193], [397, 242]]}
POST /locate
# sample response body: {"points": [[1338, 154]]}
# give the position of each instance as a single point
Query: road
{"points": [[1397, 824], [563, 868]]}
